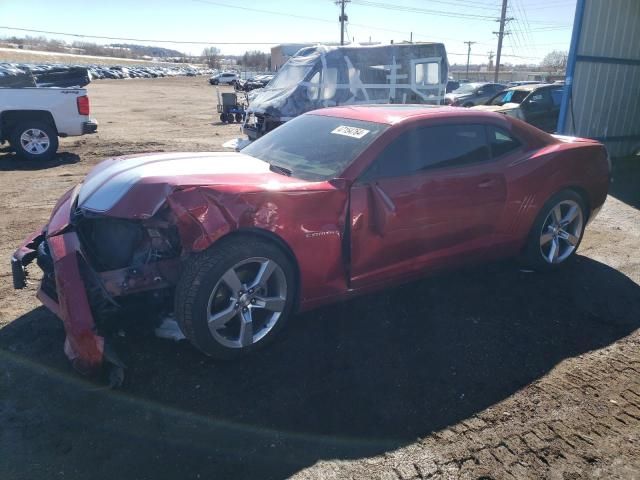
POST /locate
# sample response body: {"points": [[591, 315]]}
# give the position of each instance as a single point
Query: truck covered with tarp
{"points": [[325, 76]]}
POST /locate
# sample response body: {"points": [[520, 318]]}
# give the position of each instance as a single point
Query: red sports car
{"points": [[334, 203]]}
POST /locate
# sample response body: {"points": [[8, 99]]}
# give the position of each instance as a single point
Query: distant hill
{"points": [[144, 50]]}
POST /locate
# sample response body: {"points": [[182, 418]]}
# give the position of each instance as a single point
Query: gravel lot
{"points": [[489, 372]]}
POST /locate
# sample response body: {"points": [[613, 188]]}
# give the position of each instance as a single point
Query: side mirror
{"points": [[340, 183]]}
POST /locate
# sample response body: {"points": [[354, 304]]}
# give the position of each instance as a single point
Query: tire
{"points": [[230, 117], [223, 117], [468, 105], [552, 243], [34, 140], [206, 289], [239, 117]]}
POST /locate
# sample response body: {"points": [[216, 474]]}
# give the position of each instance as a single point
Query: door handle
{"points": [[487, 183]]}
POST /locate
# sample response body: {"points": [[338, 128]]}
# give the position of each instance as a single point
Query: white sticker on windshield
{"points": [[353, 132]]}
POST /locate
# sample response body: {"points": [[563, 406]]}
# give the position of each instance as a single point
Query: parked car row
{"points": [[253, 83], [103, 71], [118, 71], [533, 102]]}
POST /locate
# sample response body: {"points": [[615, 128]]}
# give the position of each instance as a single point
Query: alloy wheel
{"points": [[561, 231], [247, 302], [35, 141]]}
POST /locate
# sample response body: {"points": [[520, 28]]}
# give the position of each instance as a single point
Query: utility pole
{"points": [[342, 18], [503, 20], [468, 55]]}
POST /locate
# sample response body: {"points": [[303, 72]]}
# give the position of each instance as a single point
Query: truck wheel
{"points": [[235, 297], [223, 117], [35, 140], [238, 117]]}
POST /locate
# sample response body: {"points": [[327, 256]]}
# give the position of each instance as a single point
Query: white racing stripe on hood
{"points": [[102, 191]]}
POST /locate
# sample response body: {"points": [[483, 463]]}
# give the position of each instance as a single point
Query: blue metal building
{"points": [[602, 94]]}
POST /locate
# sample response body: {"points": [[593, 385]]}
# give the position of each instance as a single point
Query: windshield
{"points": [[289, 76], [466, 88], [510, 96], [315, 147]]}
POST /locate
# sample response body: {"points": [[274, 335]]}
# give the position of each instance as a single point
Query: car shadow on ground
{"points": [[626, 180], [10, 161], [347, 381]]}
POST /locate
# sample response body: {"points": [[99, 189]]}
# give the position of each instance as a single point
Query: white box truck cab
{"points": [[324, 76]]}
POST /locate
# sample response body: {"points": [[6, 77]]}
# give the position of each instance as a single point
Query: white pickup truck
{"points": [[32, 119]]}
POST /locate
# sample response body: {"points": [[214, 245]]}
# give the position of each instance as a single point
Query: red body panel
{"points": [[349, 236]]}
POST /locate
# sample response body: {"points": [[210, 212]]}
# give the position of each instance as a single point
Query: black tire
{"points": [[230, 117], [239, 117], [23, 151], [199, 278], [223, 117], [533, 256], [468, 105]]}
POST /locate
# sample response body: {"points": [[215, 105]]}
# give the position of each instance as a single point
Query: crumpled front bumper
{"points": [[67, 298]]}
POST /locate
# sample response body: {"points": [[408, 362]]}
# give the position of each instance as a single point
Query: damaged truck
{"points": [[328, 76]]}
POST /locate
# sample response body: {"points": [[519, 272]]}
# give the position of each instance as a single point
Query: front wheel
{"points": [[235, 297], [557, 232], [35, 140]]}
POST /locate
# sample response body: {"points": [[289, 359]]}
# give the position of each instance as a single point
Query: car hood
{"points": [[137, 186], [497, 108], [453, 96]]}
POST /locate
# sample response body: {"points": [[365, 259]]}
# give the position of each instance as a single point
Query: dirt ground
{"points": [[485, 373]]}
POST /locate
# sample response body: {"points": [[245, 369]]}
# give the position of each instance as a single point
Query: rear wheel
{"points": [[557, 232], [223, 117], [235, 297], [238, 117], [35, 140]]}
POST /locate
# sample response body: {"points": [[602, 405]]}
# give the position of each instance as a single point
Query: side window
{"points": [[539, 100], [501, 142], [556, 96], [427, 73], [425, 148]]}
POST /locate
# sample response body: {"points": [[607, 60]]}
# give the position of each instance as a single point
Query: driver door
{"points": [[433, 195]]}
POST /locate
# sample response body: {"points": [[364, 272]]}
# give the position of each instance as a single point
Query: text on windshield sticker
{"points": [[353, 132]]}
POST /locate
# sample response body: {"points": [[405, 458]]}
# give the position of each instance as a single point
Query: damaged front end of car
{"points": [[95, 268]]}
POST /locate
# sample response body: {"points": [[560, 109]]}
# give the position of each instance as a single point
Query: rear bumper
{"points": [[89, 127], [63, 289]]}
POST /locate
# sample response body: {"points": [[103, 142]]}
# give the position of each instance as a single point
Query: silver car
{"points": [[470, 94]]}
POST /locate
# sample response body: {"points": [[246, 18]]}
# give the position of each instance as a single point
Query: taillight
{"points": [[83, 105]]}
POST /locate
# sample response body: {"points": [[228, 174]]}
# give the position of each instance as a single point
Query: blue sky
{"points": [[539, 26]]}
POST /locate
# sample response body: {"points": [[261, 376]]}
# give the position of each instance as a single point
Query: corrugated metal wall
{"points": [[605, 99]]}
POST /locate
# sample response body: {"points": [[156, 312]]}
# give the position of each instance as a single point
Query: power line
{"points": [[466, 4], [149, 40], [441, 13]]}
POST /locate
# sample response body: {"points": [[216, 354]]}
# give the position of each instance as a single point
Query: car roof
{"points": [[392, 114], [530, 87]]}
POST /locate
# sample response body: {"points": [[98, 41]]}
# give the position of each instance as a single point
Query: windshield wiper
{"points": [[278, 169]]}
